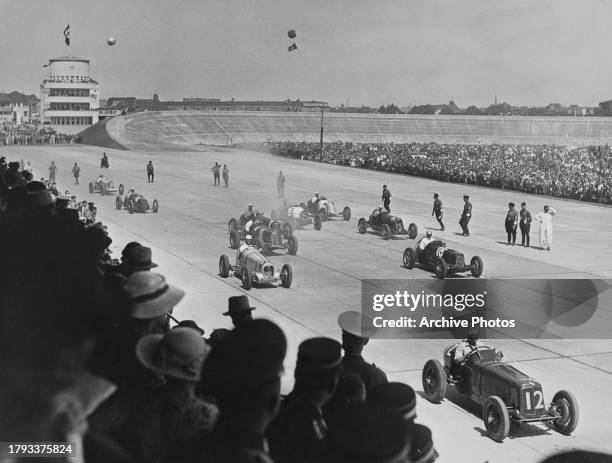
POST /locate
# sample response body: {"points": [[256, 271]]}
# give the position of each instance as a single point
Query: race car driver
{"points": [[248, 218], [99, 180], [466, 347], [423, 242]]}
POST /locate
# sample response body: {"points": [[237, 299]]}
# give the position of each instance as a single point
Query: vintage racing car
{"points": [[136, 203], [505, 393], [443, 260], [265, 233], [296, 216], [105, 187], [386, 224], [325, 208], [253, 268]]}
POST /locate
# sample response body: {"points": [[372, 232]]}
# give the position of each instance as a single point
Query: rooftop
{"points": [[68, 58]]}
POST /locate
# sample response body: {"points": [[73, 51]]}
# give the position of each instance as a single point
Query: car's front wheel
{"points": [[476, 264], [362, 225], [293, 245], [434, 381], [440, 268], [131, 206], [413, 231], [224, 266], [346, 213], [286, 276], [247, 279], [234, 239], [566, 406], [121, 188], [232, 224], [496, 418], [118, 202], [409, 258], [323, 213], [91, 187], [386, 232]]}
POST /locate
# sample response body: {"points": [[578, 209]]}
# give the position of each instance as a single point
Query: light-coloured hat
{"points": [[149, 295], [180, 353]]}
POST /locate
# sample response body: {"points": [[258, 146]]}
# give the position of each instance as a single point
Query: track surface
{"points": [[190, 233]]}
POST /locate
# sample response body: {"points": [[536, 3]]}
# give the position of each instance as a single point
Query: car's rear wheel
{"points": [[476, 264], [155, 206], [434, 381], [318, 222], [232, 225], [224, 266], [118, 202], [346, 213], [440, 268], [131, 206], [409, 258], [91, 187], [566, 407], [293, 245], [121, 188], [235, 239], [323, 213], [247, 279], [496, 418], [362, 225], [286, 276], [413, 231], [386, 231]]}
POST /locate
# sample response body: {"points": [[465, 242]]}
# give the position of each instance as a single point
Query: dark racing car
{"points": [[387, 225], [265, 234], [505, 393], [444, 261], [135, 202]]}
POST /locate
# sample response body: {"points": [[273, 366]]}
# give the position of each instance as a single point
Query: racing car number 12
{"points": [[534, 396]]}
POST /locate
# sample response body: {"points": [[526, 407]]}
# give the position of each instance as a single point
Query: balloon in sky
{"points": [[291, 34], [111, 41]]}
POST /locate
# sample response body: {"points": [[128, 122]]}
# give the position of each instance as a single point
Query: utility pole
{"points": [[321, 140]]}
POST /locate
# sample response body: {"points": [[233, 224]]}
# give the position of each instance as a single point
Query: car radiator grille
{"points": [[268, 270], [399, 226], [459, 261]]}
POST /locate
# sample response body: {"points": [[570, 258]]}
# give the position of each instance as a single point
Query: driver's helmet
{"points": [[248, 239], [317, 194], [250, 207], [380, 207], [131, 190], [472, 337], [428, 234]]}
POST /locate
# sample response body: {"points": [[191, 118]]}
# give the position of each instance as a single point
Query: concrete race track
{"points": [[190, 233]]}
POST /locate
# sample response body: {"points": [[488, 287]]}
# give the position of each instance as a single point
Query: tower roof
{"points": [[68, 58]]}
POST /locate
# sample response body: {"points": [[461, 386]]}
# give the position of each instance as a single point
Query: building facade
{"points": [[70, 98], [17, 108]]}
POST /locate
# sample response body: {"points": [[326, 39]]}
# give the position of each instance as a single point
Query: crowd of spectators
{"points": [[29, 134], [583, 174], [92, 354]]}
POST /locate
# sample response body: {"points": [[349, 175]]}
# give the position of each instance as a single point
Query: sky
{"points": [[406, 52]]}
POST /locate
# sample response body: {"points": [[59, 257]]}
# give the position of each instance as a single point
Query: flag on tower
{"points": [[67, 35]]}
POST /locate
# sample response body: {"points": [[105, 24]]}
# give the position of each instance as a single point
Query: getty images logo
{"points": [[413, 301]]}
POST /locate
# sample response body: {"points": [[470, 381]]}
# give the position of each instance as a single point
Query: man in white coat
{"points": [[546, 228]]}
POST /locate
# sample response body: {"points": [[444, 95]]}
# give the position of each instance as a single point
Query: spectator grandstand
{"points": [[583, 174], [188, 128], [30, 134]]}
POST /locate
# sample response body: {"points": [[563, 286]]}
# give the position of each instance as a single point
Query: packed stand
{"points": [[28, 134], [583, 173], [93, 354]]}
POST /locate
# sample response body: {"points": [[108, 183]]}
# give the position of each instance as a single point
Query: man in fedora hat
{"points": [[243, 373], [356, 332], [169, 422], [299, 432], [136, 258], [239, 310]]}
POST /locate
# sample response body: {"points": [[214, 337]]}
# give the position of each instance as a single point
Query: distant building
{"points": [[70, 98], [17, 108], [605, 108]]}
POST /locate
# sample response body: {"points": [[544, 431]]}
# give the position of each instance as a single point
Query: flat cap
{"points": [[422, 450]]}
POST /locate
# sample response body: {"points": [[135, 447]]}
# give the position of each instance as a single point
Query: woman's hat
{"points": [[149, 295], [180, 353]]}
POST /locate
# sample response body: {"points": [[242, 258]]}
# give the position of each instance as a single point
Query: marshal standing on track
{"points": [[525, 224], [466, 216], [150, 172], [386, 198], [437, 210], [512, 220], [216, 174]]}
